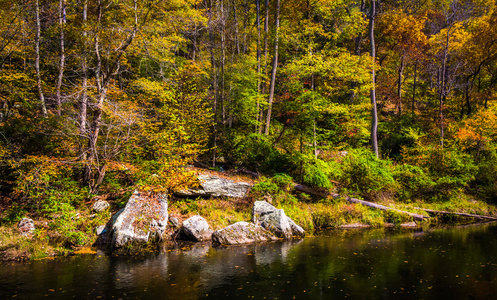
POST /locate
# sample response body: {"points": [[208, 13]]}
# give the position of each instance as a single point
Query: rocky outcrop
{"points": [[26, 227], [268, 223], [215, 186], [241, 233], [144, 218], [275, 221], [100, 205], [196, 229]]}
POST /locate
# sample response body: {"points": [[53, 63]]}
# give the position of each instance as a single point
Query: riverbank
{"points": [[385, 263], [313, 215]]}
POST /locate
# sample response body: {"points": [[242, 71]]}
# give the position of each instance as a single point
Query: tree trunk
{"points": [[62, 22], [258, 21], [37, 61], [223, 62], [264, 83], [275, 66], [374, 112], [310, 191], [214, 83], [399, 84], [414, 86], [357, 51], [235, 20], [102, 80], [440, 212], [84, 84], [245, 24], [443, 86]]}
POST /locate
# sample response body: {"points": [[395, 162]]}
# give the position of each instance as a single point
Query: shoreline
{"points": [[315, 218]]}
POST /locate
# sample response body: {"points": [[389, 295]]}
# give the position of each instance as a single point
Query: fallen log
{"points": [[441, 212], [245, 171], [417, 217], [200, 164], [310, 191]]}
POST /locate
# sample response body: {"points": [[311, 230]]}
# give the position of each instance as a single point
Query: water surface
{"points": [[457, 263]]}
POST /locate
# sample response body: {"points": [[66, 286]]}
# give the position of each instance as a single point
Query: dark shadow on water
{"points": [[457, 263]]}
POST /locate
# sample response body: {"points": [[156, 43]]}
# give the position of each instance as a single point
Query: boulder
{"points": [[174, 222], [275, 221], [261, 208], [144, 218], [297, 231], [215, 186], [100, 205], [26, 226], [241, 233], [409, 225], [196, 229], [100, 230]]}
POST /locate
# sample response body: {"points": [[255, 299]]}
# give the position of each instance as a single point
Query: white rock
{"points": [[196, 228], [142, 219], [100, 205]]}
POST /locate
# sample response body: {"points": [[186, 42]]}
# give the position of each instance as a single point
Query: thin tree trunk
{"points": [[84, 84], [275, 66], [258, 21], [266, 34], [374, 112], [37, 61], [357, 51], [102, 81], [399, 84], [223, 62], [414, 86], [468, 98], [314, 141], [214, 83], [245, 24], [62, 21], [443, 85], [235, 19]]}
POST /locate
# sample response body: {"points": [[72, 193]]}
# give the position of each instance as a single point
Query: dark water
{"points": [[377, 264]]}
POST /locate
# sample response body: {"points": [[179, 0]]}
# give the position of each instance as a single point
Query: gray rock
{"points": [[100, 229], [409, 225], [26, 226], [215, 186], [296, 229], [144, 218], [100, 205], [174, 222], [261, 208], [241, 233], [196, 229], [275, 221]]}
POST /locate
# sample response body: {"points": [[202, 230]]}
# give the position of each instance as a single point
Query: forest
{"points": [[385, 100]]}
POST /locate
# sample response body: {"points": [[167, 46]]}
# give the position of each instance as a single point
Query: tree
{"points": [[274, 68], [374, 112]]}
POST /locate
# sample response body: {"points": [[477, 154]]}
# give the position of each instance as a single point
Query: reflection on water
{"points": [[374, 264]]}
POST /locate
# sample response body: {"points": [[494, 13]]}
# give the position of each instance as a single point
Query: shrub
{"points": [[414, 182], [362, 172], [450, 169], [316, 172]]}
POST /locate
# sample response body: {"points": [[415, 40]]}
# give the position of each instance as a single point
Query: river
{"points": [[450, 263]]}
